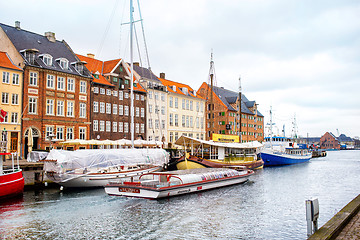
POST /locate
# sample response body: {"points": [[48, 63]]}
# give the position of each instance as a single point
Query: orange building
{"points": [[225, 114]]}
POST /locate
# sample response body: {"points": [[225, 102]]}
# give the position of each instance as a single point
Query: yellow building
{"points": [[11, 80], [185, 111]]}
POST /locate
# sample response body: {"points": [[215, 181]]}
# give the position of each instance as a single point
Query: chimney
{"points": [[162, 75], [136, 64], [91, 55], [50, 36], [17, 25]]}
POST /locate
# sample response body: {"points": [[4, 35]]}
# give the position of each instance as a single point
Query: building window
{"points": [[150, 108], [96, 107], [5, 98], [187, 121], [50, 81], [121, 126], [115, 108], [163, 97], [115, 124], [137, 97], [102, 107], [102, 91], [49, 131], [70, 109], [126, 95], [157, 124], [126, 111], [171, 137], [176, 104], [142, 98], [115, 93], [142, 112], [108, 92], [14, 117], [163, 124], [121, 110], [108, 108], [137, 112], [61, 83], [150, 124], [64, 63], [176, 136], [15, 99], [102, 126], [95, 125], [15, 80], [32, 105], [142, 128], [33, 79], [82, 113], [47, 59], [171, 121], [6, 77], [71, 85], [69, 133], [121, 95], [187, 105], [191, 105], [197, 123], [183, 123], [83, 87], [191, 122], [49, 106], [137, 128], [150, 94], [183, 104], [108, 126], [197, 106], [163, 110], [82, 133], [60, 108], [60, 133], [96, 90], [126, 127], [171, 102], [176, 120]]}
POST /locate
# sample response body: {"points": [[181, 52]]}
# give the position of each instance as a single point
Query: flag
{"points": [[2, 115]]}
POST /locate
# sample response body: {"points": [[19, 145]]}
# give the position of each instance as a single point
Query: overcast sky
{"points": [[300, 57]]}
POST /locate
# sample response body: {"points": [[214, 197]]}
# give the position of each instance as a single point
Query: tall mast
{"points": [[271, 123], [211, 93], [132, 74], [240, 133]]}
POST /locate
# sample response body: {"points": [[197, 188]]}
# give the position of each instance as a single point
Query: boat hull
{"points": [[278, 159], [11, 184], [194, 162], [166, 192], [101, 179]]}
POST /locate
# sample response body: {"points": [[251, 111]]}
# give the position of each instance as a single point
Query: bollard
{"points": [[312, 215]]}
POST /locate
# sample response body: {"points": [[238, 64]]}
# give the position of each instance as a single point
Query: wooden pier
{"points": [[33, 172]]}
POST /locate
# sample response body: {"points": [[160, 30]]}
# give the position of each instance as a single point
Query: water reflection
{"points": [[269, 206]]}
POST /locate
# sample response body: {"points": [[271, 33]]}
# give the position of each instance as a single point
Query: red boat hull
{"points": [[11, 184]]}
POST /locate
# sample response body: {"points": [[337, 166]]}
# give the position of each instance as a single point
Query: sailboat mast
{"points": [[240, 132], [132, 74], [211, 94]]}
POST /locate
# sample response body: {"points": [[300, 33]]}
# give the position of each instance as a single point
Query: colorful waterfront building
{"points": [[56, 88], [185, 111], [225, 115], [329, 141], [10, 105], [110, 100]]}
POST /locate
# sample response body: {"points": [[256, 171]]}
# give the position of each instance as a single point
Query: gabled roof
{"points": [[23, 40], [6, 62], [95, 66], [109, 66], [229, 98], [179, 86], [145, 73]]}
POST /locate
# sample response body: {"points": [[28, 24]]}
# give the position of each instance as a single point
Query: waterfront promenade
{"points": [[344, 225]]}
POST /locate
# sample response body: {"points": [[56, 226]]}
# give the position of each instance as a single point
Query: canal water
{"points": [[269, 206]]}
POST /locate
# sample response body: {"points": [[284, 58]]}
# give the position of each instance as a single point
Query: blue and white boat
{"points": [[282, 151]]}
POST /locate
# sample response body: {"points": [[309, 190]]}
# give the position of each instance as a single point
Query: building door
{"points": [[14, 142]]}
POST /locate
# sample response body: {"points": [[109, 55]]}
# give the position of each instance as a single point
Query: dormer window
{"points": [[29, 55], [47, 59], [79, 66], [185, 90], [64, 63], [174, 88]]}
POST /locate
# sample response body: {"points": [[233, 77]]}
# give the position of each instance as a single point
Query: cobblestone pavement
{"points": [[352, 229]]}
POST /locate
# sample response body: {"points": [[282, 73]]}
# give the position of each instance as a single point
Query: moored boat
{"points": [[167, 184], [210, 154], [95, 167], [11, 180]]}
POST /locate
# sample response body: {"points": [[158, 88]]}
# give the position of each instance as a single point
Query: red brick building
{"points": [[110, 100], [329, 141], [226, 115], [56, 89]]}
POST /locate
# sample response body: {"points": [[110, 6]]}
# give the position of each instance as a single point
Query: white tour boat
{"points": [[167, 184], [95, 167]]}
